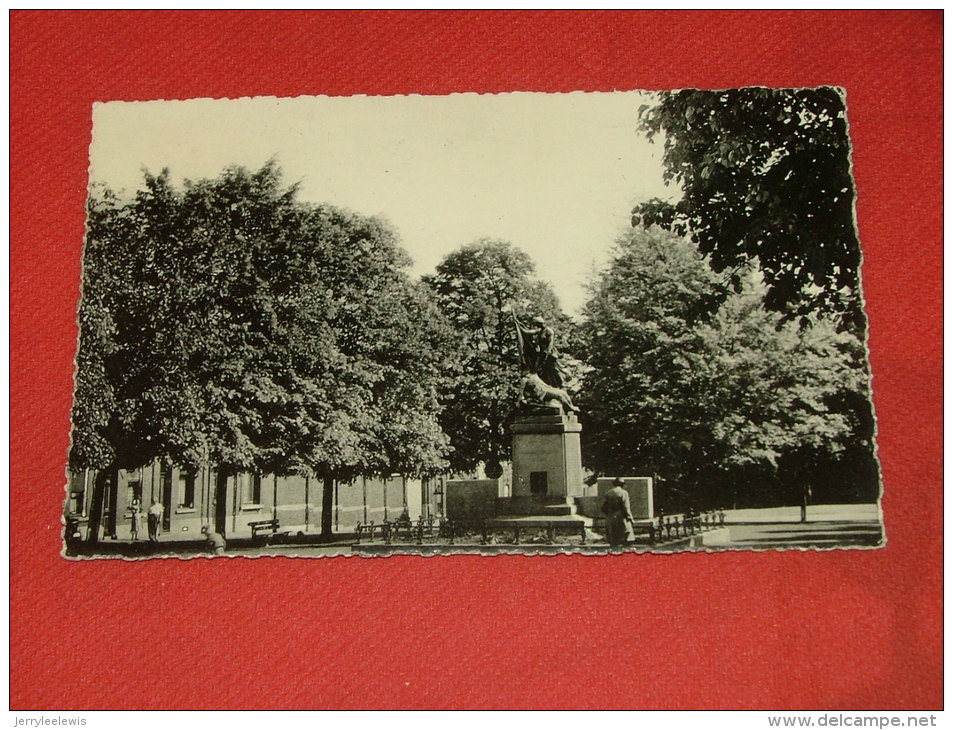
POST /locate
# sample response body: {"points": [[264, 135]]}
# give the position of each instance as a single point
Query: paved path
{"points": [[815, 513], [828, 526], [808, 535]]}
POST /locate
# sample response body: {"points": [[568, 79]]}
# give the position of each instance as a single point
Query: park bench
{"points": [[263, 527], [367, 529]]}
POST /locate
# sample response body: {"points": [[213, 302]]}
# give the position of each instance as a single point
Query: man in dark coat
{"points": [[618, 512]]}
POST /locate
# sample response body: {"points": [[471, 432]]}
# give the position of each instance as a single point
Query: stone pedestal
{"points": [[547, 461], [547, 470], [471, 499]]}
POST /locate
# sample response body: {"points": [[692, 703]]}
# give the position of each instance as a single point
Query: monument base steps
{"points": [[526, 505], [539, 521]]}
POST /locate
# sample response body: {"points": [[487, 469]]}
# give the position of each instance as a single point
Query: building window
{"points": [[187, 490], [77, 493], [438, 498], [253, 489], [77, 501], [134, 491]]}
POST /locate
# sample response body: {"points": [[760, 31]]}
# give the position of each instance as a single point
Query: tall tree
{"points": [[478, 288], [109, 428], [711, 402], [764, 176], [227, 323], [385, 363]]}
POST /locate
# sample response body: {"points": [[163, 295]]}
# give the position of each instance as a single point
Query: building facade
{"points": [[191, 499]]}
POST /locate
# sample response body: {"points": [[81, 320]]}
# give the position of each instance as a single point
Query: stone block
{"points": [[471, 499], [570, 522], [720, 536], [526, 504], [590, 506], [640, 495]]}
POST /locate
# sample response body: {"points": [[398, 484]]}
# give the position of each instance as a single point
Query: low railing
{"points": [[515, 532], [663, 528], [390, 529], [453, 530], [672, 527]]}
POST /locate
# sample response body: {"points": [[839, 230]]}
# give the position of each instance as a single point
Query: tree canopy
{"points": [[708, 403], [765, 177], [228, 323]]}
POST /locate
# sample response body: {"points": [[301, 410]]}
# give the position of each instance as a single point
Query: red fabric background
{"points": [[842, 630]]}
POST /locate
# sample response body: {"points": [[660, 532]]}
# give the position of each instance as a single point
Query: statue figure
{"points": [[537, 392], [539, 358], [538, 353]]}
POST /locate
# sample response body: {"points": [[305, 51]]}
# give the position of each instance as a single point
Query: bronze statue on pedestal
{"points": [[545, 377]]}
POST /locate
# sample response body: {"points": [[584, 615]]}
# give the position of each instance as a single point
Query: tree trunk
{"points": [[327, 508], [805, 492], [112, 495], [221, 499], [307, 503], [100, 486]]}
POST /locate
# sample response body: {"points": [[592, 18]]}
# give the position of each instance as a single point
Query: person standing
{"points": [[155, 518], [618, 512], [213, 541], [136, 510]]}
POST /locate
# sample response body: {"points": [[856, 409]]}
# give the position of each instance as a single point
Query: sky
{"points": [[555, 174]]}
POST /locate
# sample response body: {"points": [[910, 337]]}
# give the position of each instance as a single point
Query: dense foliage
{"points": [[722, 406], [225, 323], [765, 177], [229, 324]]}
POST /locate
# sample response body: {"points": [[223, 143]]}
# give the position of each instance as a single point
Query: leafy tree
{"points": [[764, 176], [389, 345], [710, 402], [478, 288], [110, 425], [779, 390], [229, 324], [95, 410]]}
